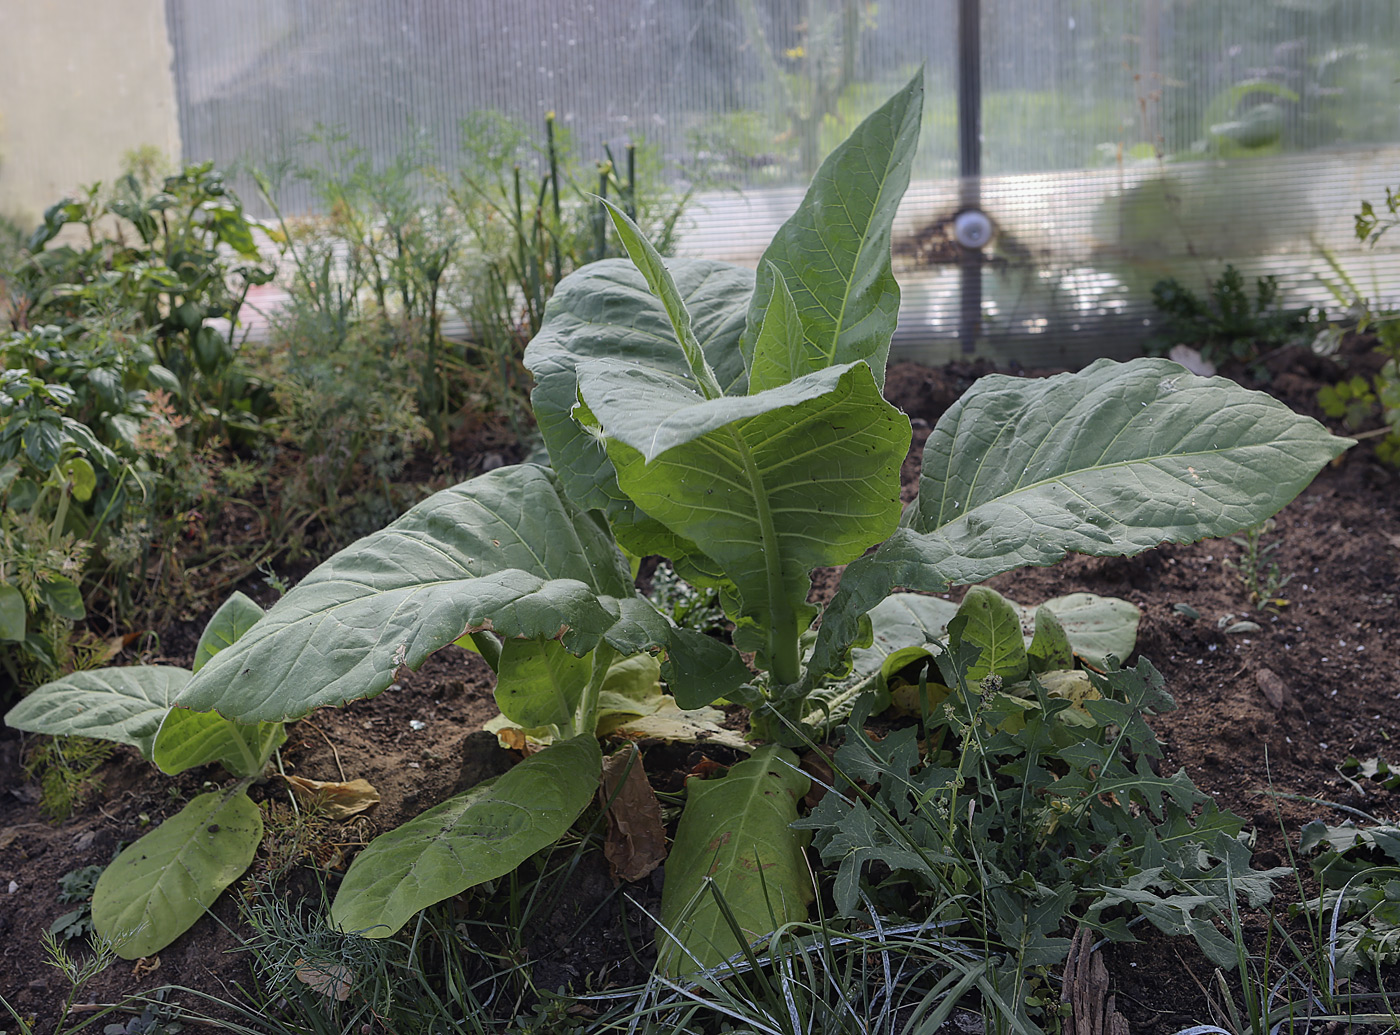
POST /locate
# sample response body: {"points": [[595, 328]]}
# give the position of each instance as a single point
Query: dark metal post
{"points": [[970, 164]]}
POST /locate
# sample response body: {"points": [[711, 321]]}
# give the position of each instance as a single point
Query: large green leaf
{"points": [[648, 260], [13, 614], [734, 841], [235, 616], [539, 683], [121, 704], [1093, 626], [994, 627], [834, 253], [606, 310], [770, 485], [158, 887], [1110, 461], [187, 739], [505, 551], [476, 836]]}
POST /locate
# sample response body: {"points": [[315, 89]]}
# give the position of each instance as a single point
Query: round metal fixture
{"points": [[972, 228]]}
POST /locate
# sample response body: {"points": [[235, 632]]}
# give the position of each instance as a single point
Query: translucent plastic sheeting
{"points": [[1121, 140], [1069, 274]]}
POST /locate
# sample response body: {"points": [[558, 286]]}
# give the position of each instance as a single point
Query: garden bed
{"points": [[1265, 717]]}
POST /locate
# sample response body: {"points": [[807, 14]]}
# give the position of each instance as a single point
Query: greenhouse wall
{"points": [[82, 84], [1111, 143]]}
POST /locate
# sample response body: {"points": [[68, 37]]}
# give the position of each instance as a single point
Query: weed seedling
{"points": [[66, 769], [1257, 571], [76, 886]]}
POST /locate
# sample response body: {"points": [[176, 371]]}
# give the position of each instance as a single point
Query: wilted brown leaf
{"points": [[335, 800], [1275, 690], [636, 841], [333, 982]]}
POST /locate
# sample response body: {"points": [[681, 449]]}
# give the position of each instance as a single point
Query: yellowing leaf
{"points": [[335, 800]]}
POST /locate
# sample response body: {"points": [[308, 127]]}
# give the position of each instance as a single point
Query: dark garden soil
{"points": [[1261, 714]]}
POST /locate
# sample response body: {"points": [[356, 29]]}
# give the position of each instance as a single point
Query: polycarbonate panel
{"points": [[1122, 140]]}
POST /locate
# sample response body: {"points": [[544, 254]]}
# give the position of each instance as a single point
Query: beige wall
{"points": [[81, 83]]}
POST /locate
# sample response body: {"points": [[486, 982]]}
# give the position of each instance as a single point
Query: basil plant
{"points": [[732, 421]]}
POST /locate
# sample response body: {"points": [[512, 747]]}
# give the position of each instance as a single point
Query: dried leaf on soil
{"points": [[336, 800], [333, 982], [1275, 690], [636, 841]]}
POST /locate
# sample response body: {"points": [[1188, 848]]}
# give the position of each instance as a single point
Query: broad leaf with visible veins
{"points": [[834, 255], [161, 884], [606, 310], [481, 834], [504, 551], [121, 704], [539, 683], [770, 485], [734, 841], [187, 739], [994, 627], [1110, 461]]}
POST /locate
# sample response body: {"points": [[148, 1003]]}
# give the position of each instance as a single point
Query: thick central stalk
{"points": [[586, 717], [784, 654]]}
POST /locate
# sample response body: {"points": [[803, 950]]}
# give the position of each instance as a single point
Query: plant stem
{"points": [[554, 192], [586, 718]]}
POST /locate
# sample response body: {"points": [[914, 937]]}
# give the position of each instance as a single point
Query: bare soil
{"points": [[1261, 715]]}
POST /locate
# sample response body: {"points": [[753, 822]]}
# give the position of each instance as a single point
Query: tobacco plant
{"points": [[731, 420], [162, 883]]}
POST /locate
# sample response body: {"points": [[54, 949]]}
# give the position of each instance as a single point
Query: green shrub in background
{"points": [[121, 378], [124, 313], [1227, 323], [1360, 400], [399, 250], [165, 261]]}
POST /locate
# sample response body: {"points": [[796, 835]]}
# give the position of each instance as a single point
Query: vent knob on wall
{"points": [[972, 228]]}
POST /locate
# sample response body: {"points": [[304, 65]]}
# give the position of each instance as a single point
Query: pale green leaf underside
{"points": [[771, 485], [504, 551], [539, 683], [476, 836], [606, 310], [187, 739], [158, 887], [834, 252], [735, 831], [1110, 461], [1095, 626], [121, 704], [235, 616]]}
